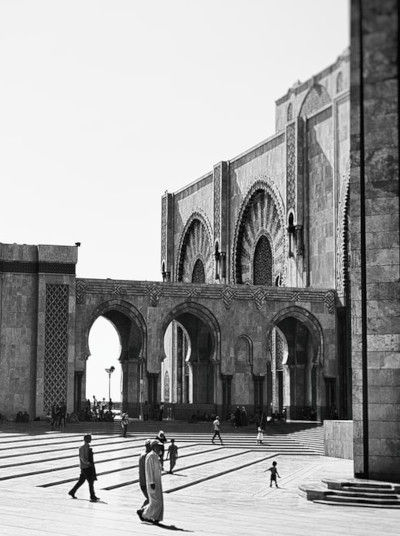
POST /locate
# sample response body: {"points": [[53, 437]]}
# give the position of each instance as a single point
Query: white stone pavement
{"points": [[226, 491]]}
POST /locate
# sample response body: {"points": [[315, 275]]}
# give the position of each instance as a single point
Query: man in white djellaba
{"points": [[153, 511]]}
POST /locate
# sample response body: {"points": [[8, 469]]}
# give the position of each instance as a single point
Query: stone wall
{"points": [[338, 439], [375, 239], [37, 349]]}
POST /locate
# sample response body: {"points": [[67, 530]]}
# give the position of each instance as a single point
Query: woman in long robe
{"points": [[155, 509]]}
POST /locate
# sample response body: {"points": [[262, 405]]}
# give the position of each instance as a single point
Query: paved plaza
{"points": [[216, 489]]}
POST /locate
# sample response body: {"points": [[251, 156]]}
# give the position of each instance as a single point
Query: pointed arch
{"points": [[261, 213], [195, 242], [316, 98]]}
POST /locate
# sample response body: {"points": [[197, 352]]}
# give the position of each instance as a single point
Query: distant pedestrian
{"points": [[274, 474], [172, 455], [161, 412], [124, 424], [217, 430], [153, 511], [88, 469], [63, 415], [260, 435], [161, 438], [243, 416], [142, 471]]}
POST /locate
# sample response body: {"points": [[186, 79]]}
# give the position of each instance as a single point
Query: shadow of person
{"points": [[170, 527], [178, 474]]}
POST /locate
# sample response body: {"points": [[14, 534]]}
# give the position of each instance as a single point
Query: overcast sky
{"points": [[106, 104]]}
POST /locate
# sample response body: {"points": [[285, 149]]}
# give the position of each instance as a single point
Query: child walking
{"points": [[274, 474], [260, 435]]}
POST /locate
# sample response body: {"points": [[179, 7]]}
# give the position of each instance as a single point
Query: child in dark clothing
{"points": [[274, 474]]}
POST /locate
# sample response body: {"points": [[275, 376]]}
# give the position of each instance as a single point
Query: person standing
{"points": [[217, 430], [172, 454], [142, 471], [88, 469], [63, 415], [153, 511], [260, 435], [124, 424], [161, 438]]}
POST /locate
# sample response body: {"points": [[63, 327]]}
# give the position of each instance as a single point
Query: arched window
{"points": [[339, 82], [198, 274], [289, 112], [262, 263]]}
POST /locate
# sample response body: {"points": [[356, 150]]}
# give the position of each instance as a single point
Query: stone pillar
{"points": [[167, 237], [375, 238]]}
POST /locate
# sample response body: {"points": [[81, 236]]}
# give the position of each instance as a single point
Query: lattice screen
{"points": [[198, 275], [56, 345], [262, 263]]}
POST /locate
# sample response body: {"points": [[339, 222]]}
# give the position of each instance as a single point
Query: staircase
{"points": [[354, 492]]}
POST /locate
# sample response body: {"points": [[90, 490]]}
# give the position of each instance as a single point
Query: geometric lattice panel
{"points": [[262, 262], [198, 274], [56, 345]]}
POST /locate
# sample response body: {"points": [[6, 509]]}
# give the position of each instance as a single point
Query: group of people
{"points": [[151, 463], [239, 417], [58, 416]]}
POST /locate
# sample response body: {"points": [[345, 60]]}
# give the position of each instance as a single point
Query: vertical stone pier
{"points": [[375, 238]]}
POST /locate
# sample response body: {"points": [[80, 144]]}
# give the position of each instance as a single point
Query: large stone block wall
{"points": [[31, 342], [338, 439], [321, 229], [375, 239], [18, 325]]}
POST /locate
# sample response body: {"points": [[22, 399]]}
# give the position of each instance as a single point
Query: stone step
{"points": [[365, 489], [355, 499], [365, 494], [365, 505]]}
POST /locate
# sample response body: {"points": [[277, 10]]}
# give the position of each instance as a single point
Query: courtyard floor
{"points": [[216, 490]]}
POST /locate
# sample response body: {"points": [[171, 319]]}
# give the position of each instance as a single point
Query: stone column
{"points": [[375, 238]]}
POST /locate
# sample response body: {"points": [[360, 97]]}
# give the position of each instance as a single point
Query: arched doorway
{"points": [[105, 350], [131, 330], [191, 345], [296, 352]]}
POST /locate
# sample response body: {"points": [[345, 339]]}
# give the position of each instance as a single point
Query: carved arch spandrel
{"points": [[261, 212], [195, 243]]}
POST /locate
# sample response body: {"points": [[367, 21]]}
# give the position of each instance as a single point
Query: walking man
{"points": [[142, 471], [154, 511], [88, 470], [217, 430], [172, 454]]}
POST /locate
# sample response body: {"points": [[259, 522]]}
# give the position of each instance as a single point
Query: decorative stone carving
{"points": [[259, 297], [261, 213], [228, 295], [330, 301], [195, 243], [56, 345], [342, 247], [163, 229], [154, 293], [290, 168], [80, 288], [217, 203]]}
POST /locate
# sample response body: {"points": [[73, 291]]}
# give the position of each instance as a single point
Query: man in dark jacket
{"points": [[88, 470]]}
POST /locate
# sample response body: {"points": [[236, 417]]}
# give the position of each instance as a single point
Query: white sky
{"points": [[106, 104]]}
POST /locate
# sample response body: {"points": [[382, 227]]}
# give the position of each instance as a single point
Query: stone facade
{"points": [[276, 215]]}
